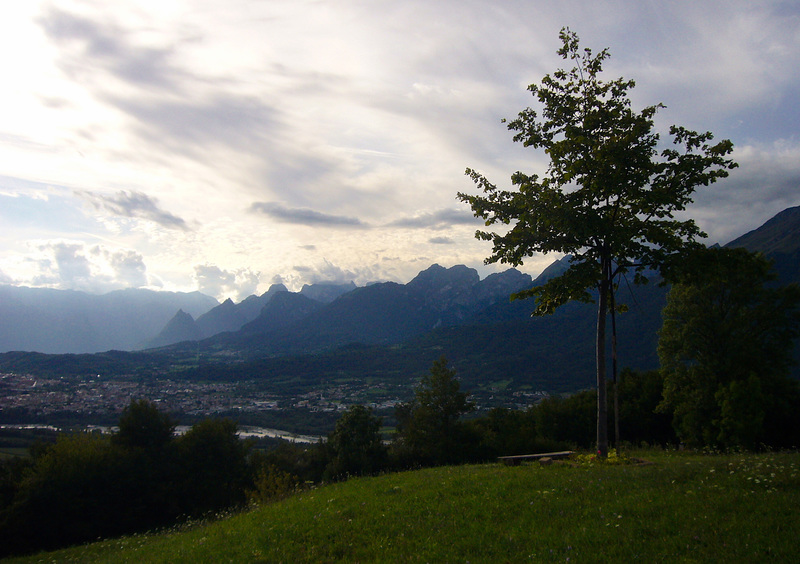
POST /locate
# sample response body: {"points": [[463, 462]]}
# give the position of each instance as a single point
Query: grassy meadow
{"points": [[676, 507]]}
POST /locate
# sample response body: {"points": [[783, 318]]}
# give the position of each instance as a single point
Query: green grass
{"points": [[680, 508]]}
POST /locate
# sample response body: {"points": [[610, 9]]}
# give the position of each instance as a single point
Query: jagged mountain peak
{"points": [[503, 284], [275, 288], [512, 277], [284, 309], [555, 269], [181, 327], [326, 292], [437, 277]]}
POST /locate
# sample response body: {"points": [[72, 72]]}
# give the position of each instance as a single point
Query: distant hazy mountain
{"points": [[180, 328], [326, 292], [62, 321], [388, 328], [382, 313], [280, 313], [251, 307], [473, 321], [230, 317]]}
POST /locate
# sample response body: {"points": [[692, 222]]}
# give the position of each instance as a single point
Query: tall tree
{"points": [[143, 426], [355, 444], [725, 350], [607, 198], [214, 470], [428, 428]]}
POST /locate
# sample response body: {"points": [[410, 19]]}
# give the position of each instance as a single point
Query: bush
{"points": [[272, 483], [78, 491]]}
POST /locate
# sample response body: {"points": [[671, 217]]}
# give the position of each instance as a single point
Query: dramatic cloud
{"points": [[134, 204], [103, 43], [97, 268], [348, 123], [326, 271], [71, 264], [128, 267], [441, 219], [223, 284], [304, 216]]}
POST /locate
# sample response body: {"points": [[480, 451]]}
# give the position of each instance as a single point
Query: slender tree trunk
{"points": [[614, 377], [602, 408]]}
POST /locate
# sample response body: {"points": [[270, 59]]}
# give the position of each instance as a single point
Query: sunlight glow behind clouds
{"points": [[157, 129]]}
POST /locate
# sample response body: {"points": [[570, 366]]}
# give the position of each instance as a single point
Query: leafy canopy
{"points": [[429, 430], [608, 196], [356, 446], [725, 350]]}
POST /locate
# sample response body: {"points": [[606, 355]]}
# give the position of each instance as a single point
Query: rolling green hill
{"points": [[677, 507]]}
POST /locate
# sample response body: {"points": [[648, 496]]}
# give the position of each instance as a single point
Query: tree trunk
{"points": [[602, 409], [614, 374]]}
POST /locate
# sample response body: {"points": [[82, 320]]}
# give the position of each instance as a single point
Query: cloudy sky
{"points": [[225, 145]]}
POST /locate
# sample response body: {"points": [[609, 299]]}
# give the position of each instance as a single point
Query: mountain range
{"points": [[230, 317], [389, 327]]}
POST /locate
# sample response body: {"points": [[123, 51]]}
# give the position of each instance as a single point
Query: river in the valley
{"points": [[244, 432]]}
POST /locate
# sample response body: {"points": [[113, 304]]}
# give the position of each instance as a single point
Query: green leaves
{"points": [[725, 348], [607, 194], [607, 197], [429, 430]]}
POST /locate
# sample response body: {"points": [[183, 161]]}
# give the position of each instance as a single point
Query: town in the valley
{"points": [[41, 396]]}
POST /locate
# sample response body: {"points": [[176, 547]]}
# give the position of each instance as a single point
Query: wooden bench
{"points": [[516, 459]]}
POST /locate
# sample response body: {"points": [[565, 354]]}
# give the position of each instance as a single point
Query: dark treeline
{"points": [[85, 485]]}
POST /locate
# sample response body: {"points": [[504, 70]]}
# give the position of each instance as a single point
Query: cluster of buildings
{"points": [[43, 396], [104, 396]]}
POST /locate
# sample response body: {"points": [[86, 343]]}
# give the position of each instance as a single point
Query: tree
{"points": [[355, 444], [429, 430], [725, 350], [641, 393], [504, 432], [214, 467], [607, 198], [566, 420], [143, 426], [146, 440]]}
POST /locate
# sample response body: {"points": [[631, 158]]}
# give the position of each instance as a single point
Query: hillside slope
{"points": [[681, 507], [779, 240]]}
